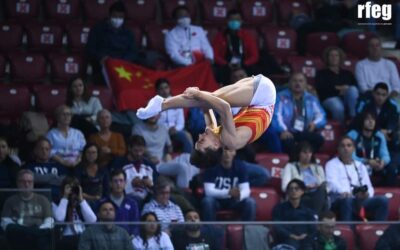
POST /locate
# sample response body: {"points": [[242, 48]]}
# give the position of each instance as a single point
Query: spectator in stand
{"points": [[325, 238], [174, 119], [156, 135], [162, 206], [193, 235], [336, 87], [371, 149], [390, 239], [110, 38], [111, 144], [67, 143], [94, 180], [25, 227], [187, 44], [226, 186], [84, 107], [299, 115], [105, 237], [375, 69], [350, 187], [126, 208], [150, 235], [298, 235], [47, 173], [235, 47], [8, 166], [72, 208], [303, 166]]}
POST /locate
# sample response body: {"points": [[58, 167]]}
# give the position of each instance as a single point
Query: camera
{"points": [[75, 190], [360, 189]]}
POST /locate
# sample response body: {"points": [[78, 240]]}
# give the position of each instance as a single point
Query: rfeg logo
{"points": [[375, 11]]}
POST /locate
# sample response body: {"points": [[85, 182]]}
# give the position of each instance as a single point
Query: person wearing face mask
{"points": [[234, 47], [110, 38], [187, 44]]}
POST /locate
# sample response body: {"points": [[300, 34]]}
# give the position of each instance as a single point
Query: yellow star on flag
{"points": [[139, 74], [122, 73]]}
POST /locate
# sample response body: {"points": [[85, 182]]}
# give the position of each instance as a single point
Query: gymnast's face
{"points": [[208, 140]]}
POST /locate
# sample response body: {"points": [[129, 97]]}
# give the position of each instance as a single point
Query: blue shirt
{"points": [[227, 178]]}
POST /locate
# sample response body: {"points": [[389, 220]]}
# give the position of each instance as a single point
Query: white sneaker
{"points": [[152, 109]]}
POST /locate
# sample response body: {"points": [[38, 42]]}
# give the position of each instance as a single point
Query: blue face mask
{"points": [[234, 24]]}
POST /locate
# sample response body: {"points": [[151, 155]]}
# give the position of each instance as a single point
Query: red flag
{"points": [[133, 85]]}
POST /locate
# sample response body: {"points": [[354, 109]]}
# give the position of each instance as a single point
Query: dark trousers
{"points": [[33, 238]]}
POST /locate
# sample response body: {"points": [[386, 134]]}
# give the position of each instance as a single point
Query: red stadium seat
{"points": [[77, 36], [368, 235], [257, 12], [210, 32], [105, 96], [156, 36], [96, 10], [168, 7], [350, 64], [266, 199], [2, 67], [22, 11], [137, 32], [14, 100], [27, 68], [347, 234], [316, 43], [44, 37], [274, 163], [62, 11], [234, 237], [215, 11], [287, 7], [48, 98], [307, 65], [141, 12], [280, 42], [393, 194], [356, 43], [13, 33], [322, 158], [65, 67], [331, 133]]}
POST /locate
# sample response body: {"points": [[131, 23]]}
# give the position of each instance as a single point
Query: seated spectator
{"points": [[336, 87], [193, 235], [371, 149], [94, 180], [235, 47], [8, 167], [375, 69], [174, 119], [111, 38], [299, 115], [105, 236], [158, 142], [302, 166], [350, 188], [150, 235], [84, 107], [27, 228], [297, 235], [226, 186], [187, 44], [48, 173], [325, 238], [162, 206], [67, 143], [111, 144], [72, 208], [390, 239], [125, 207]]}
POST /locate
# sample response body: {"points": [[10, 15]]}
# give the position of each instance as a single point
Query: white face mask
{"points": [[184, 21], [117, 22]]}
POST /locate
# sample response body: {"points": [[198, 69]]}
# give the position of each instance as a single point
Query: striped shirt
{"points": [[165, 213]]}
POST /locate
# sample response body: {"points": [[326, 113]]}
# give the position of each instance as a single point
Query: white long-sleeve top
{"points": [[340, 177], [369, 73], [60, 214], [131, 173], [212, 191], [164, 243], [90, 108], [180, 39]]}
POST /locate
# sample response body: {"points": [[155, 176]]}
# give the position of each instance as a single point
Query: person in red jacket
{"points": [[234, 47]]}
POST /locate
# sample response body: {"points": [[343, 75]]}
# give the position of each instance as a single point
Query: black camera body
{"points": [[360, 189], [75, 190]]}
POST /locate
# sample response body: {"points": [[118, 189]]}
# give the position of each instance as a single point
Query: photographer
{"points": [[74, 209], [350, 188]]}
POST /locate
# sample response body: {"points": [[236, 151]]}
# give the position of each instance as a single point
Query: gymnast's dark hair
{"points": [[207, 159]]}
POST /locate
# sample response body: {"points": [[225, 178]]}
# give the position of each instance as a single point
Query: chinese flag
{"points": [[133, 85]]}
